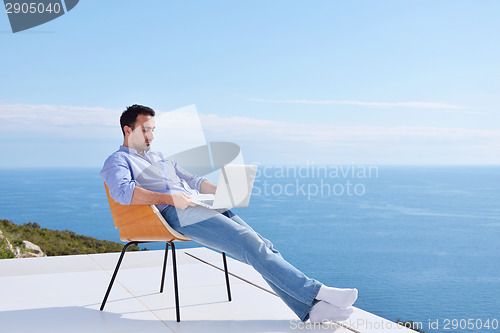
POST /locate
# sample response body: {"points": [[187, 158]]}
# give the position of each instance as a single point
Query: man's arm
{"points": [[207, 187], [142, 196], [194, 181]]}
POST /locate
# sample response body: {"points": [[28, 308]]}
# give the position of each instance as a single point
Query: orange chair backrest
{"points": [[141, 222]]}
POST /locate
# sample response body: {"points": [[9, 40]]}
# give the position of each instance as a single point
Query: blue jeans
{"points": [[227, 232]]}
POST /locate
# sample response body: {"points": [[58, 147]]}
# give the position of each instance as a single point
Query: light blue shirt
{"points": [[126, 168]]}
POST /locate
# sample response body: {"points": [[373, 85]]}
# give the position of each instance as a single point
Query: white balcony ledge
{"points": [[63, 294]]}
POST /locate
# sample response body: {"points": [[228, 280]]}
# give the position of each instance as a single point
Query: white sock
{"points": [[325, 311], [342, 298]]}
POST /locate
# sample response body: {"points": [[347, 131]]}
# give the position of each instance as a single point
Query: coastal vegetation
{"points": [[19, 241]]}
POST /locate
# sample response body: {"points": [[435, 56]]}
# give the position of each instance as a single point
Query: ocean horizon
{"points": [[419, 242]]}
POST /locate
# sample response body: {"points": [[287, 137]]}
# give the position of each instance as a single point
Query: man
{"points": [[137, 176]]}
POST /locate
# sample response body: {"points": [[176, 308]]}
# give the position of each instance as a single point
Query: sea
{"points": [[420, 243]]}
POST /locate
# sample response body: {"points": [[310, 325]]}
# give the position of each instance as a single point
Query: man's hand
{"points": [[181, 200], [207, 187]]}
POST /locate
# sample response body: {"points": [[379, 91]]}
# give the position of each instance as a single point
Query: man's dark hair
{"points": [[129, 116]]}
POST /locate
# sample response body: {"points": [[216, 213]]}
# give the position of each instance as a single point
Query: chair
{"points": [[144, 224]]}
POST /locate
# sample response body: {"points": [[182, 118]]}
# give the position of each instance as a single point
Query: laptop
{"points": [[234, 188]]}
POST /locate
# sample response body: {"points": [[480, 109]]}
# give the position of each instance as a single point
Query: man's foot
{"points": [[325, 311], [342, 298]]}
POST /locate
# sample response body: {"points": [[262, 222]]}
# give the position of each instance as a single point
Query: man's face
{"points": [[141, 136]]}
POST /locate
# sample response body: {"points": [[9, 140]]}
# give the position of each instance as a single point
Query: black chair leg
{"points": [[176, 288], [116, 272], [164, 268], [227, 277]]}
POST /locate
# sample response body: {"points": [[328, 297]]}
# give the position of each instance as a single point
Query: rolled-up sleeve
{"points": [[193, 181], [117, 175]]}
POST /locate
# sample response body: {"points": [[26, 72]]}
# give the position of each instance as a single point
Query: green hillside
{"points": [[51, 242]]}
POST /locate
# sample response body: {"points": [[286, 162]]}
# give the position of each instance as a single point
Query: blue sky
{"points": [[334, 82]]}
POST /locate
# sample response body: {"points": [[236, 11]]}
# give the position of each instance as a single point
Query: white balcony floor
{"points": [[63, 294]]}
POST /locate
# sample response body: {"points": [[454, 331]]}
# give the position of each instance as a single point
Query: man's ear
{"points": [[127, 129]]}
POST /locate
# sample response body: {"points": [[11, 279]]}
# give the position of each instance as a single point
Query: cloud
{"points": [[286, 131], [421, 105], [282, 141], [331, 134], [57, 115], [50, 116], [43, 116]]}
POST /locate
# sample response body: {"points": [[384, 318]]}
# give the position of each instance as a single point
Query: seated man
{"points": [[169, 187]]}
